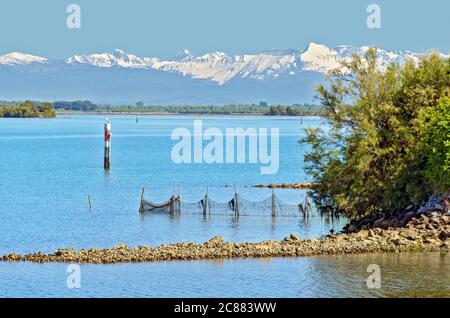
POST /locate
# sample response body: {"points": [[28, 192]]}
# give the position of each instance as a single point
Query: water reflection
{"points": [[402, 275]]}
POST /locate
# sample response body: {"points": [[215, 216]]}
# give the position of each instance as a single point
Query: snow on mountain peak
{"points": [[214, 57], [117, 58], [17, 58], [318, 57], [221, 68], [317, 48], [184, 55]]}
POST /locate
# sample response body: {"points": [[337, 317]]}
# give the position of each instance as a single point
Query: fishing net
{"points": [[238, 205], [171, 206]]}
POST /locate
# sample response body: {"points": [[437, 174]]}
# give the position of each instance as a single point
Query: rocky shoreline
{"points": [[375, 240], [418, 229]]}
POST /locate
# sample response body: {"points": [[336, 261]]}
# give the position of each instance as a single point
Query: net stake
{"points": [[141, 207]]}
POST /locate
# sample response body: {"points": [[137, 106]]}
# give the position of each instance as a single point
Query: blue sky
{"points": [[164, 27]]}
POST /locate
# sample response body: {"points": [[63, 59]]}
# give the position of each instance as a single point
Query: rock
{"points": [[397, 241], [430, 241], [216, 240], [378, 222], [420, 227], [435, 215], [294, 237], [430, 233], [65, 252], [11, 257], [362, 234], [376, 232], [409, 234], [436, 220], [386, 224], [429, 226], [446, 244], [444, 235], [408, 216]]}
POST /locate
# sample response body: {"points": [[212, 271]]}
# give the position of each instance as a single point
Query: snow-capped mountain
{"points": [[17, 58], [221, 68], [280, 76]]}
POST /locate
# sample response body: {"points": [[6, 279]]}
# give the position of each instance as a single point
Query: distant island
{"points": [[27, 109]]}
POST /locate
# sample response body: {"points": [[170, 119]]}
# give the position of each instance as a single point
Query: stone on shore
{"points": [[294, 237]]}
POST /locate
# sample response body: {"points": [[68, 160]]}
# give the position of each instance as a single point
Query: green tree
{"points": [[374, 159], [28, 109], [436, 141]]}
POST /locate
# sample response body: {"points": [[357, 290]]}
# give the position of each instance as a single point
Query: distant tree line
{"points": [[27, 109], [295, 110], [78, 105], [139, 107], [22, 109]]}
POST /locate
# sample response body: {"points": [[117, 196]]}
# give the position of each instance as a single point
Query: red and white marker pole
{"points": [[107, 144]]}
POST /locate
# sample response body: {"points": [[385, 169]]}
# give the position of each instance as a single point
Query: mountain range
{"points": [[277, 76]]}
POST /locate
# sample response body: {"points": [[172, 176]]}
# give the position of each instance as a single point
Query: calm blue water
{"points": [[49, 167], [402, 275]]}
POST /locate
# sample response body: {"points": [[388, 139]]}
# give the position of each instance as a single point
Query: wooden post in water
{"points": [[206, 203], [141, 207], [89, 201], [179, 198], [107, 144], [307, 206], [236, 203], [274, 208]]}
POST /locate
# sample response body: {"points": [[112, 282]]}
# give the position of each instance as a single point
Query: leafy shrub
{"points": [[379, 157]]}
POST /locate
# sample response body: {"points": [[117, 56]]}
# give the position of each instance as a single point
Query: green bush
{"points": [[28, 109], [436, 141], [388, 144]]}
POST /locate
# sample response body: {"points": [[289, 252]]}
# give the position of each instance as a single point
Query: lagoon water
{"points": [[49, 167]]}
